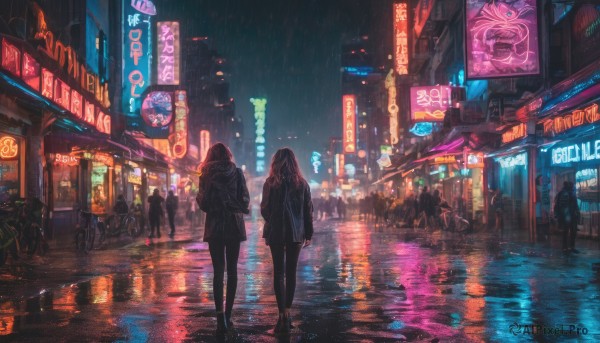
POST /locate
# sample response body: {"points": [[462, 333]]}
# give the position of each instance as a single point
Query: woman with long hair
{"points": [[223, 195], [287, 209]]}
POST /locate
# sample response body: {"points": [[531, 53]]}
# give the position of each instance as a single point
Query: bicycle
{"points": [[117, 224], [85, 234]]}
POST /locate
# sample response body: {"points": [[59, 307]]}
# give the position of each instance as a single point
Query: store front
{"points": [[12, 168], [509, 175]]}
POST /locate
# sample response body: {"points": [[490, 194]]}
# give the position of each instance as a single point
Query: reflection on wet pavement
{"points": [[357, 283]]}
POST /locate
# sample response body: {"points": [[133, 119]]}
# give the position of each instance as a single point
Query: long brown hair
{"points": [[285, 166], [217, 152]]}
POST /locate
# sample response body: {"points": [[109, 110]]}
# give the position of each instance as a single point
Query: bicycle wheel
{"points": [[31, 240], [90, 237], [111, 226], [133, 227]]}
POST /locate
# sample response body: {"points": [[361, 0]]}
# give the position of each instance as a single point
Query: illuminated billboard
{"points": [[349, 122], [157, 109], [429, 103], [168, 56], [390, 84], [260, 114], [179, 137], [137, 58], [401, 38], [501, 39]]}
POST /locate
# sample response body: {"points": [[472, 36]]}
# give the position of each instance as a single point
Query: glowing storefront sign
{"points": [[401, 38], [99, 157], [204, 144], [340, 160], [315, 160], [168, 53], [260, 109], [390, 84], [66, 159], [31, 72], [9, 148], [137, 56], [514, 133], [576, 118], [513, 161], [475, 160], [180, 129], [135, 176], [62, 94], [586, 151], [349, 111], [429, 103], [448, 159], [502, 39]]}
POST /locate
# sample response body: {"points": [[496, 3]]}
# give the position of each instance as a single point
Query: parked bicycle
{"points": [[85, 234], [117, 224], [8, 234], [451, 221]]}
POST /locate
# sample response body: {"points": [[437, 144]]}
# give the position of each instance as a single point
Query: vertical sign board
{"points": [[167, 48], [137, 60], [401, 38], [349, 113], [501, 39], [180, 129], [260, 109], [204, 144], [390, 84]]}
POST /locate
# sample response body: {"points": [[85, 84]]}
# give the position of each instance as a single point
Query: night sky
{"points": [[285, 50]]}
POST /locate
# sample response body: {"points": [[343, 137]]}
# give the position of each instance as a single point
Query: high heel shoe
{"points": [[221, 323]]}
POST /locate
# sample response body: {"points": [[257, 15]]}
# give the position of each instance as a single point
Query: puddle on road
{"points": [[354, 284]]}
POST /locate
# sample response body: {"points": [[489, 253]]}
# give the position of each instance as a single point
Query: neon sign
{"points": [[422, 129], [514, 133], [429, 103], [9, 148], [204, 144], [137, 55], [390, 84], [340, 160], [66, 159], [260, 109], [502, 39], [577, 118], [349, 109], [168, 53], [513, 161], [11, 58], [180, 135], [586, 151], [475, 160], [401, 38], [448, 159], [315, 160], [31, 72]]}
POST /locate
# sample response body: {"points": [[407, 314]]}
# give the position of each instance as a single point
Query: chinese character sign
{"points": [[137, 57], [429, 103], [349, 122], [168, 53], [401, 38], [501, 38], [260, 109]]}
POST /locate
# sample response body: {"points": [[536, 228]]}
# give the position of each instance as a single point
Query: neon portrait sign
{"points": [[501, 39]]}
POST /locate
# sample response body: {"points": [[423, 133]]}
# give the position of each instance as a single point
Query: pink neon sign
{"points": [[502, 39], [429, 103], [168, 53]]}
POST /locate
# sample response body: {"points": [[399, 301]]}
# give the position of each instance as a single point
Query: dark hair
{"points": [[285, 166], [217, 152]]}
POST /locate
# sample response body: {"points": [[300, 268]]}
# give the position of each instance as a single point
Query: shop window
{"points": [[64, 186], [157, 181], [10, 183], [98, 199]]}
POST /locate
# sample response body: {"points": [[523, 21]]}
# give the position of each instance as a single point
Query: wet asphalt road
{"points": [[357, 283]]}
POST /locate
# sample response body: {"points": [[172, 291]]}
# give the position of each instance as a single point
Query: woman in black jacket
{"points": [[287, 209], [223, 195]]}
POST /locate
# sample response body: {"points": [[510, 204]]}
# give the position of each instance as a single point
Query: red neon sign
{"points": [[11, 58], [401, 38], [31, 72], [62, 94], [9, 148], [89, 113], [349, 111], [47, 84], [514, 133], [76, 104], [568, 121], [66, 159]]}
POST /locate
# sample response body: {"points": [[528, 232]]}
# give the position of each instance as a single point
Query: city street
{"points": [[357, 282]]}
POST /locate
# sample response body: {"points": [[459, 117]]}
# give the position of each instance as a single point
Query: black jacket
{"points": [[295, 204], [223, 195]]}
